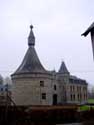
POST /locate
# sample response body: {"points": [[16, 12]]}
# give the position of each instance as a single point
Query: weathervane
{"points": [[91, 31]]}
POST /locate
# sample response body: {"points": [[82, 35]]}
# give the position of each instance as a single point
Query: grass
{"points": [[84, 108], [87, 107], [90, 100]]}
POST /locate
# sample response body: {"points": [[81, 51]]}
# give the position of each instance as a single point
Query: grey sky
{"points": [[58, 25]]}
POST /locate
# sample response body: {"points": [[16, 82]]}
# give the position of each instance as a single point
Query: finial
{"points": [[31, 38], [31, 26]]}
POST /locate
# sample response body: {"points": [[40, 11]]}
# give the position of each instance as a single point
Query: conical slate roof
{"points": [[63, 69], [31, 62]]}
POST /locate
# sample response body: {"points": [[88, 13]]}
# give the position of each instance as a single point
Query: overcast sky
{"points": [[58, 25]]}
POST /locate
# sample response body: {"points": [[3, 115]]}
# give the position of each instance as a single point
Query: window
{"points": [[74, 97], [43, 95], [1, 89], [42, 83], [84, 88], [71, 97], [71, 88], [54, 87], [71, 80], [84, 96], [79, 88], [78, 97], [6, 89]]}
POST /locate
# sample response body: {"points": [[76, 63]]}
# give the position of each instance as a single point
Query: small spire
{"points": [[31, 38], [63, 69]]}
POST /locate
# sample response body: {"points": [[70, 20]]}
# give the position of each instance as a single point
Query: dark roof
{"points": [[63, 69], [90, 28], [31, 62], [76, 80]]}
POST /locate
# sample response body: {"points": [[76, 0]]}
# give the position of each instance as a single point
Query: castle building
{"points": [[34, 85]]}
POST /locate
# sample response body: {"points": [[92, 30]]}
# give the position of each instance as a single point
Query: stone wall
{"points": [[28, 91], [71, 92], [38, 89]]}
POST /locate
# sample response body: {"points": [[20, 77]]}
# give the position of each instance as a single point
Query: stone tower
{"points": [[31, 82], [63, 76]]}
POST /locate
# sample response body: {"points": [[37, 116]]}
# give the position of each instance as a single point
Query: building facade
{"points": [[34, 85]]}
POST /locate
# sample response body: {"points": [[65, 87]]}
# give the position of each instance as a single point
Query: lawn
{"points": [[84, 108], [87, 107], [90, 100]]}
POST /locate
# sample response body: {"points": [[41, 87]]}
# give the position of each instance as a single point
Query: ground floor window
{"points": [[54, 99], [43, 95], [78, 96], [72, 97]]}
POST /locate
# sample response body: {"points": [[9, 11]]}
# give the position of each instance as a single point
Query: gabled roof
{"points": [[31, 62], [90, 28], [63, 69]]}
